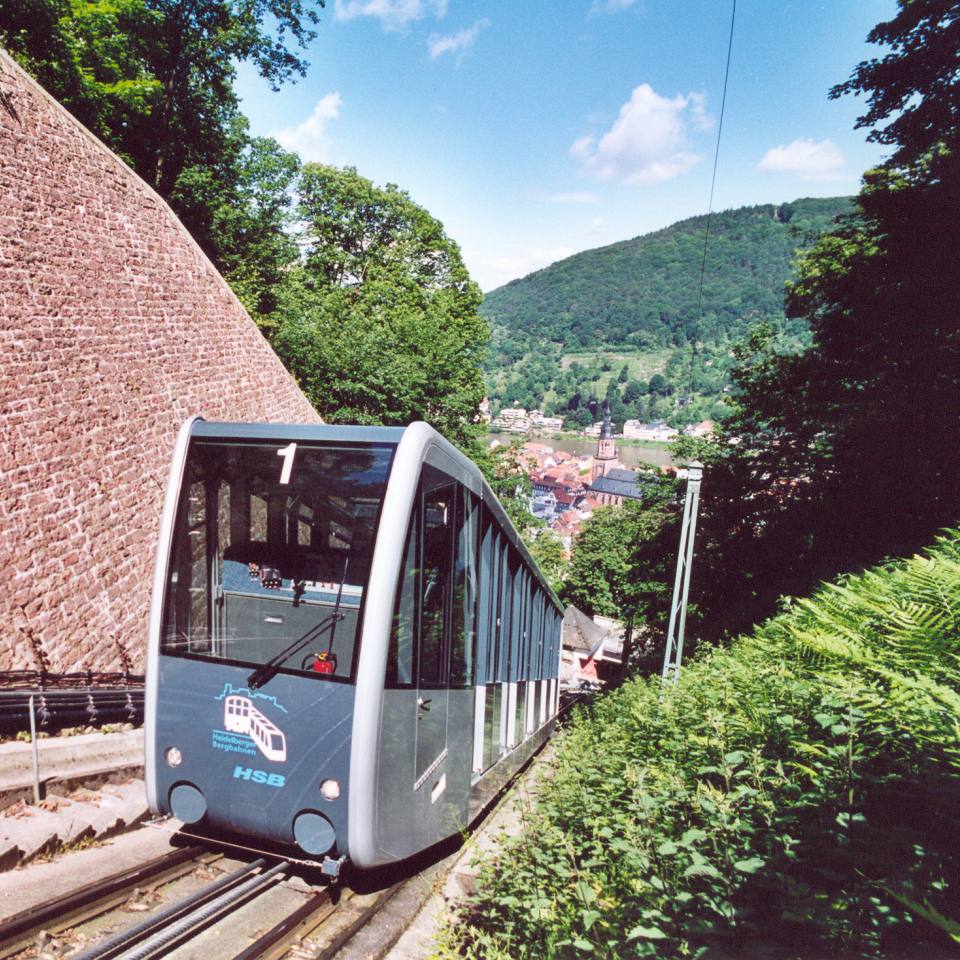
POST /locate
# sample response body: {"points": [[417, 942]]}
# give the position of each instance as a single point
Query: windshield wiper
{"points": [[266, 672], [271, 668]]}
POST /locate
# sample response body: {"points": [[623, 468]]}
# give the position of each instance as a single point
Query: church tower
{"points": [[606, 455]]}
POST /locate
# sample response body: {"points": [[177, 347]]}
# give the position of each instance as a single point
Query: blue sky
{"points": [[535, 129]]}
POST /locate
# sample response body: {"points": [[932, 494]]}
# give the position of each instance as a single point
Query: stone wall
{"points": [[114, 328]]}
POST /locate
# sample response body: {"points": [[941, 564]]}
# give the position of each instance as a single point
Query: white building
{"points": [[513, 420], [545, 424], [658, 430]]}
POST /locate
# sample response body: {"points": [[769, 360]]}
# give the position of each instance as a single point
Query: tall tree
{"points": [[93, 57], [380, 324], [882, 385], [846, 452], [249, 217]]}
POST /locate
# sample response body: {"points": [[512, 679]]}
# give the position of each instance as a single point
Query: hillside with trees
{"points": [[637, 304], [644, 292]]}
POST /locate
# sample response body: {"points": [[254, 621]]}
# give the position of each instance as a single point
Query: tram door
{"points": [[437, 507]]}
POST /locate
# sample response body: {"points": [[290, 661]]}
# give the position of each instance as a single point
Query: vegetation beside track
{"points": [[797, 794]]}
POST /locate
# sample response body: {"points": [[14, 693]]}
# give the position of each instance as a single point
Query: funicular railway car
{"points": [[350, 648]]}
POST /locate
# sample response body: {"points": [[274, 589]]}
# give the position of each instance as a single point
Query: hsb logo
{"points": [[259, 776]]}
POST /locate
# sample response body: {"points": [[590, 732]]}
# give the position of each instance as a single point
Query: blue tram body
{"points": [[350, 648]]}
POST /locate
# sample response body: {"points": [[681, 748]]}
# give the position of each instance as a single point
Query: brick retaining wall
{"points": [[114, 328]]}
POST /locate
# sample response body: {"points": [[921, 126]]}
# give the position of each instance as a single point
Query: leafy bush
{"points": [[795, 795]]}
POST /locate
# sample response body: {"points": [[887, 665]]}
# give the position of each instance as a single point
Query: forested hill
{"points": [[643, 292]]}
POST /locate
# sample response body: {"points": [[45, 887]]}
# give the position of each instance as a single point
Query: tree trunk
{"points": [[627, 647]]}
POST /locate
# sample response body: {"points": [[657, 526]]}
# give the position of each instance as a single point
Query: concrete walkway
{"points": [[67, 760], [33, 884], [91, 787]]}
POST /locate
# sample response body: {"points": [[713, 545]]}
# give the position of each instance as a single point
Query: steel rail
{"points": [[15, 929], [169, 935], [306, 917], [149, 924], [349, 932]]}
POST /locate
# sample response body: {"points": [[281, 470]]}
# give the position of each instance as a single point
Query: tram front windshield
{"points": [[271, 555]]}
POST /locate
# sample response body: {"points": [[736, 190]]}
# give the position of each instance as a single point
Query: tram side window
{"points": [[438, 521], [400, 656], [504, 604], [535, 644], [486, 622], [528, 595], [465, 590], [516, 617]]}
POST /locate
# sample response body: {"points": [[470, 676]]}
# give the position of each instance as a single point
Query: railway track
{"points": [[196, 903], [199, 902]]}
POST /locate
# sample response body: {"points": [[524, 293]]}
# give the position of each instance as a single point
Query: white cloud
{"points": [[492, 270], [698, 111], [392, 14], [455, 42], [648, 143], [580, 197], [806, 159], [309, 138], [610, 6]]}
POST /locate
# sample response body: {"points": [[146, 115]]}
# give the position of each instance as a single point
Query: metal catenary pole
{"points": [[36, 754], [673, 653]]}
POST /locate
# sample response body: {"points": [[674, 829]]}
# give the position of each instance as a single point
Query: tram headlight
{"points": [[330, 789], [174, 757]]}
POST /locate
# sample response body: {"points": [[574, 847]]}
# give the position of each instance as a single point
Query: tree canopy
{"points": [[379, 324], [619, 562]]}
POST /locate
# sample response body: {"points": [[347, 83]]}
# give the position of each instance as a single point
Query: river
{"points": [[630, 456]]}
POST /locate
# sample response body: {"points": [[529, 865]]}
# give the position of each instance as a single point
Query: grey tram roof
{"points": [[345, 433], [213, 430]]}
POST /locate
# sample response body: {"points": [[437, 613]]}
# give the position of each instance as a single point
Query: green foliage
{"points": [[794, 795], [509, 478], [379, 325], [913, 94], [90, 55], [250, 218], [548, 551]]}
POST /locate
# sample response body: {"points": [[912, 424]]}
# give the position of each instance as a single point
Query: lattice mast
{"points": [[673, 654]]}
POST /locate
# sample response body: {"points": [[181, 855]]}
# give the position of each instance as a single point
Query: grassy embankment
{"points": [[795, 795]]}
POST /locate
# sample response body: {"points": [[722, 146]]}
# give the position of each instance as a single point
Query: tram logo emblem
{"points": [[245, 727]]}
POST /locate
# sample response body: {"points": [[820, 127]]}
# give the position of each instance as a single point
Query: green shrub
{"points": [[795, 795]]}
